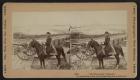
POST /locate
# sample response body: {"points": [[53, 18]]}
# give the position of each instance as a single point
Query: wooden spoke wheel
{"points": [[25, 54]]}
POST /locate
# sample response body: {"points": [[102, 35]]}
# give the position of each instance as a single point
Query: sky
{"points": [[90, 22]]}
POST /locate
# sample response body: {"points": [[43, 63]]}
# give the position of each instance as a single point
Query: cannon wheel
{"points": [[25, 54], [84, 56]]}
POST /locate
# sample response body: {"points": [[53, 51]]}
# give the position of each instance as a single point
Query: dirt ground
{"points": [[51, 63], [76, 64]]}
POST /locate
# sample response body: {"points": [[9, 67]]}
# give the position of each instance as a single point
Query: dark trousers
{"points": [[48, 50]]}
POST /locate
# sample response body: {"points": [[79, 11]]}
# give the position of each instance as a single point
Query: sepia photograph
{"points": [[71, 39], [82, 40]]}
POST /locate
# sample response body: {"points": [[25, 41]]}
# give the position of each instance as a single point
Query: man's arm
{"points": [[112, 46], [53, 46]]}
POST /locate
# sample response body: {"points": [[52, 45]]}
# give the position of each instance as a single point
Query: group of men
{"points": [[50, 47]]}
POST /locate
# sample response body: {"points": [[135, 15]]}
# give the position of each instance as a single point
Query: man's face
{"points": [[106, 35], [48, 35], [91, 39]]}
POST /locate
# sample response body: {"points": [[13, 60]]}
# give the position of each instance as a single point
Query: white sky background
{"points": [[91, 22]]}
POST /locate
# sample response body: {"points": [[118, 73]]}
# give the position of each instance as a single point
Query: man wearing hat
{"points": [[107, 38], [109, 50], [48, 43]]}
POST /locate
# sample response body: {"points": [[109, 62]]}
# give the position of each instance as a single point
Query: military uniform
{"points": [[49, 48], [108, 48]]}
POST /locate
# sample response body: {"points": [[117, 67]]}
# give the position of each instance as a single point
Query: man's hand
{"points": [[53, 46]]}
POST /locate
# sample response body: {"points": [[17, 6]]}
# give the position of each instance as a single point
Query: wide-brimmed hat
{"points": [[48, 33], [106, 32]]}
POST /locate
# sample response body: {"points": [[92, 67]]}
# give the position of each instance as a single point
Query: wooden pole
{"points": [[70, 46]]}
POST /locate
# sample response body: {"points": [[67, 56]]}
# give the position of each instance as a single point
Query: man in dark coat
{"points": [[108, 48], [49, 48]]}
